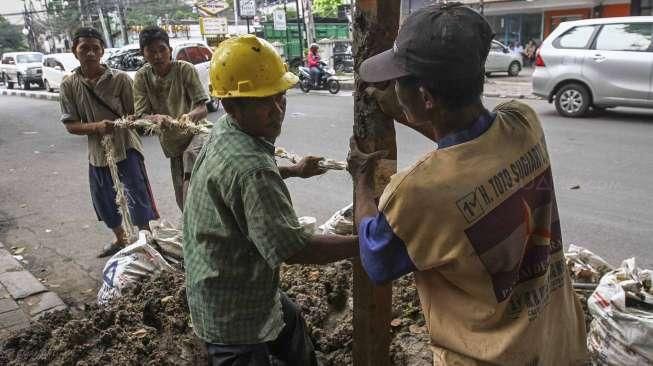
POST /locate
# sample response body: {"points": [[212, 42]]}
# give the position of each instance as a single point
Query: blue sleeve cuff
{"points": [[383, 253]]}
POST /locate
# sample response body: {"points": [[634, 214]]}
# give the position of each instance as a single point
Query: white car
{"points": [[21, 69], [500, 59], [130, 59], [56, 67]]}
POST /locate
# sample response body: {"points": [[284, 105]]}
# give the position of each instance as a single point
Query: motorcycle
{"points": [[327, 80]]}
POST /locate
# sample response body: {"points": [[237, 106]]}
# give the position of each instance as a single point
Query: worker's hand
{"points": [[104, 127], [308, 167], [164, 121], [359, 164]]}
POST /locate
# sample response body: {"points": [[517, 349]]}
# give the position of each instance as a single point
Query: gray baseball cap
{"points": [[440, 42]]}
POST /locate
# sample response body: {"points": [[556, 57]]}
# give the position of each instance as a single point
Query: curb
{"points": [[350, 86], [23, 298], [30, 94]]}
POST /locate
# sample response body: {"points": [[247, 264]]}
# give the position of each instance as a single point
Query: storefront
{"points": [[520, 21]]}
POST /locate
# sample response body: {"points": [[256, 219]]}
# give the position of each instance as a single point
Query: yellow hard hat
{"points": [[248, 66]]}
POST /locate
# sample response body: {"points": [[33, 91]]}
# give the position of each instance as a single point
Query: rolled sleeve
{"points": [[69, 112], [194, 85], [271, 221], [383, 254]]}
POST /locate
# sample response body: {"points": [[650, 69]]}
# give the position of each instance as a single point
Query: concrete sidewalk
{"points": [[23, 297]]}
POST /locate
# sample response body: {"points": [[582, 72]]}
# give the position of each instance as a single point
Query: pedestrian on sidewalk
{"points": [[239, 223], [165, 90], [475, 219], [91, 99]]}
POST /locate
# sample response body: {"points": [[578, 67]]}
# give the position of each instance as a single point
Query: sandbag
{"points": [[130, 266], [621, 332], [341, 223]]}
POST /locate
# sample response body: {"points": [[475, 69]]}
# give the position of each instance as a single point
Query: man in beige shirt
{"points": [[476, 218], [165, 90], [91, 99]]}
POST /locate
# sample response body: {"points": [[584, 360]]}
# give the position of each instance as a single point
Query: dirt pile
{"points": [[151, 324]]}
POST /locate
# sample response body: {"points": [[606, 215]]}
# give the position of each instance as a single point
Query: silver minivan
{"points": [[598, 63]]}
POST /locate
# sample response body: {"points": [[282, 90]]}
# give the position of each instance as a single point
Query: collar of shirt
{"points": [[106, 75], [268, 145], [481, 125]]}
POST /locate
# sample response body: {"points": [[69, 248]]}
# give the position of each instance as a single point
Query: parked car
{"points": [[56, 67], [22, 69], [129, 59], [108, 52], [599, 63], [500, 59]]}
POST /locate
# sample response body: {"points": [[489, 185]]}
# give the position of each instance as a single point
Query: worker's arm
{"points": [[383, 253], [273, 227], [323, 249], [196, 92], [199, 112], [93, 128], [305, 168], [71, 118]]}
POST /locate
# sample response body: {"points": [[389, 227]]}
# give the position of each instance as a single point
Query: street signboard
{"points": [[247, 9], [211, 8], [279, 19], [213, 26]]}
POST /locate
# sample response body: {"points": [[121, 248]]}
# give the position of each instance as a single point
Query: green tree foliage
{"points": [[143, 15], [60, 19], [326, 8], [11, 37]]}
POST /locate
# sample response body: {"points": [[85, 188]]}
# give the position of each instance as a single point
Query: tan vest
{"points": [[480, 222]]}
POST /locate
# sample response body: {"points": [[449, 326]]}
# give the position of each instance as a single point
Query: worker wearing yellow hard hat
{"points": [[239, 222], [248, 66]]}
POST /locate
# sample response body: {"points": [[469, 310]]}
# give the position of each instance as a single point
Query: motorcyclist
{"points": [[314, 64]]}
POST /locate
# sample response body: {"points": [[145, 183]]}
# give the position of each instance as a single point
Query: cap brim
{"points": [[381, 67]]}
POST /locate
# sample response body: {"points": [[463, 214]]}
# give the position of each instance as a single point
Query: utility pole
{"points": [[123, 23], [376, 23], [107, 36], [310, 24], [299, 33]]}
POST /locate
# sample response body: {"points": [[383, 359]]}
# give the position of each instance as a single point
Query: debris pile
{"points": [[150, 324]]}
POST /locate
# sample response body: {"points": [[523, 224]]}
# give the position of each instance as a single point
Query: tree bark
{"points": [[375, 27]]}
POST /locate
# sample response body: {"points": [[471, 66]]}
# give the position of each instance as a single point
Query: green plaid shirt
{"points": [[239, 226]]}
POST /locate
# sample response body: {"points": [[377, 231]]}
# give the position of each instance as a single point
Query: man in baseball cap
{"points": [[475, 219]]}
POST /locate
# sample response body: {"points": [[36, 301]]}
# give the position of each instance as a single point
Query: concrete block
{"points": [[39, 303], [21, 284], [7, 305], [13, 318], [8, 263]]}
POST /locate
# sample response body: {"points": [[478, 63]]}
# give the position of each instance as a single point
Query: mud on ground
{"points": [[151, 325]]}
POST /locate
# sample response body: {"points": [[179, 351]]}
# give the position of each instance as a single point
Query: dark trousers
{"points": [[293, 346]]}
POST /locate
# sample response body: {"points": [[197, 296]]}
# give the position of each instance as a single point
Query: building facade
{"points": [[519, 21]]}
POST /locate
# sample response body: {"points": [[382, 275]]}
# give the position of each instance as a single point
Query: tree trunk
{"points": [[375, 26]]}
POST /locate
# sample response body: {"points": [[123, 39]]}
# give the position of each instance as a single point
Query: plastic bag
{"points": [[342, 222], [130, 266], [622, 307], [169, 238], [585, 266]]}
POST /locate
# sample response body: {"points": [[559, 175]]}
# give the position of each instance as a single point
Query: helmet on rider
{"points": [[248, 66], [314, 46]]}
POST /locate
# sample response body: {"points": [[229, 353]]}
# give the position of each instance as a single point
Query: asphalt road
{"points": [[45, 203]]}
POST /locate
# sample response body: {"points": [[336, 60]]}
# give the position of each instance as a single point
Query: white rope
{"points": [[121, 197], [186, 126]]}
